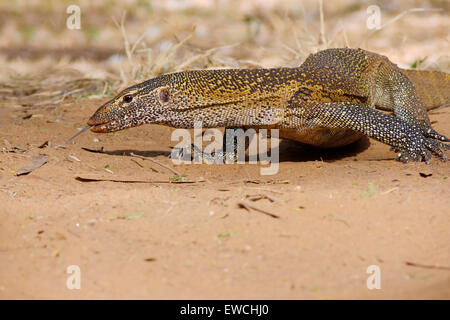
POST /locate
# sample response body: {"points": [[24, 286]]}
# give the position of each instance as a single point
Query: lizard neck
{"points": [[233, 97]]}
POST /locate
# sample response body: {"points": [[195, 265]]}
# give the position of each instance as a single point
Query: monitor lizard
{"points": [[329, 101]]}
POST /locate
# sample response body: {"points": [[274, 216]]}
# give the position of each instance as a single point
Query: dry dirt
{"points": [[340, 211]]}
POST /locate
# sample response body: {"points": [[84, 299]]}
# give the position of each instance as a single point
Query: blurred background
{"points": [[119, 43]]}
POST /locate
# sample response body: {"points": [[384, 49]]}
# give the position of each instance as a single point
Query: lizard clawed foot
{"points": [[228, 153], [188, 153], [419, 144], [220, 156], [179, 154], [195, 153]]}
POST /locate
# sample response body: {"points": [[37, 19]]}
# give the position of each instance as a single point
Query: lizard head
{"points": [[146, 102], [214, 97]]}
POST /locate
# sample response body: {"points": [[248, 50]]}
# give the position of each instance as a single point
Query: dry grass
{"points": [[167, 36], [50, 88]]}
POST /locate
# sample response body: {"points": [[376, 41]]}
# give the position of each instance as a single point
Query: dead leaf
{"points": [[43, 145], [267, 182], [11, 148], [256, 197], [36, 162], [425, 175]]}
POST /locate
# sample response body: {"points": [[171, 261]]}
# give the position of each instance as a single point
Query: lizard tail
{"points": [[432, 87]]}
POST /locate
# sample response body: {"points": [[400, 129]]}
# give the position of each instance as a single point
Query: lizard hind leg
{"points": [[394, 91]]}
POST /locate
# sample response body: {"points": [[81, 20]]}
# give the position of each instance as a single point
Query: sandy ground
{"points": [[339, 211]]}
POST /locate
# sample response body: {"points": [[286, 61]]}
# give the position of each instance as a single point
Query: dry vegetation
{"points": [[207, 231], [123, 42]]}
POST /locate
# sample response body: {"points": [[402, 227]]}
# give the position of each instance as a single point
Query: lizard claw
{"points": [[180, 154], [431, 133], [419, 144], [219, 156], [189, 153]]}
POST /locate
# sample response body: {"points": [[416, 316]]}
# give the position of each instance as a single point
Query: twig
{"points": [[140, 165], [389, 191], [74, 158], [322, 24], [155, 161], [248, 206], [426, 266], [94, 150], [274, 191], [121, 27], [163, 57], [101, 179], [202, 55], [267, 182], [344, 33], [343, 221], [257, 197], [397, 17]]}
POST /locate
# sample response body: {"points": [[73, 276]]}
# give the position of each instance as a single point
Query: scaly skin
{"points": [[328, 101]]}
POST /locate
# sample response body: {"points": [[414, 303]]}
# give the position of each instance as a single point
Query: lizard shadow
{"points": [[288, 151], [142, 153], [298, 152]]}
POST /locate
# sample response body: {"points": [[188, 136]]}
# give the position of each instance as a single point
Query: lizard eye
{"points": [[128, 98], [164, 95]]}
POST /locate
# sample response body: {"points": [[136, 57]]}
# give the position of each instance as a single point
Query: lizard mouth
{"points": [[99, 128], [99, 123], [105, 127]]}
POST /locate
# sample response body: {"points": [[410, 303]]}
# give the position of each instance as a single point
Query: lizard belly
{"points": [[322, 137]]}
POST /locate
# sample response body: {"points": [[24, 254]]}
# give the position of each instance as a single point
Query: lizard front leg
{"points": [[414, 142], [228, 153]]}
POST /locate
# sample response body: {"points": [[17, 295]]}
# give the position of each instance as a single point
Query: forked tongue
{"points": [[74, 136]]}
